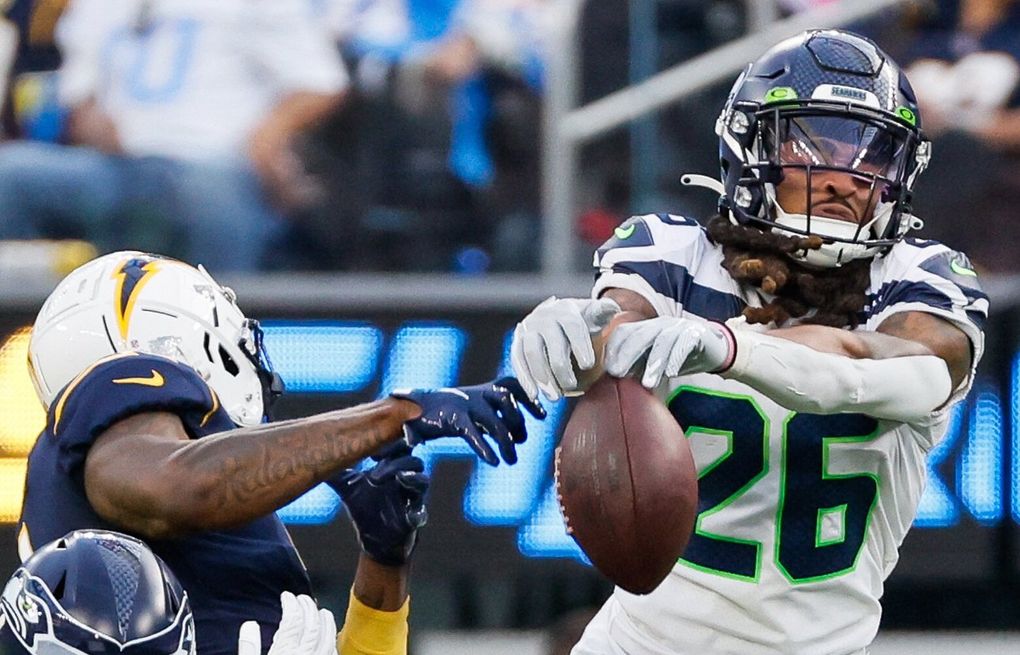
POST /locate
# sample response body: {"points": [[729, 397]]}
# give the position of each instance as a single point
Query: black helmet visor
{"points": [[873, 150]]}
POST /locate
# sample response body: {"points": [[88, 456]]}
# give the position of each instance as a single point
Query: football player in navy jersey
{"points": [[93, 591], [810, 352], [157, 389]]}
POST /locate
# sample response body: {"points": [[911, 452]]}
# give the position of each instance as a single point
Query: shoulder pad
{"points": [[652, 230], [954, 266], [120, 386]]}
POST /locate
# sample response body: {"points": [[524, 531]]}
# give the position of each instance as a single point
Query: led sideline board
{"points": [[315, 357]]}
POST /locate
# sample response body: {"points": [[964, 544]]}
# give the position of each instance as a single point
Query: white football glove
{"points": [[304, 630], [674, 346], [546, 338]]}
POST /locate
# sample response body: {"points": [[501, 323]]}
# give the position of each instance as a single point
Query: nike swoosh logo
{"points": [[155, 381], [961, 270], [624, 232]]}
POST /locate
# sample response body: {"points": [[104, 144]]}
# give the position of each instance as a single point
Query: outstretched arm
{"points": [[145, 475], [902, 335], [808, 368]]}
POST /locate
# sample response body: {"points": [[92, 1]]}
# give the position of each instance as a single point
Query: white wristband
{"points": [[803, 379]]}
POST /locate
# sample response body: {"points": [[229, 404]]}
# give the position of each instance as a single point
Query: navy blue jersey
{"points": [[232, 575]]}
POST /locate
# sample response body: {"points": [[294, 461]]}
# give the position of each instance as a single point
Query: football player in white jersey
{"points": [[810, 352]]}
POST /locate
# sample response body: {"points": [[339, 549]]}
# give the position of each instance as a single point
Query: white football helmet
{"points": [[134, 301]]}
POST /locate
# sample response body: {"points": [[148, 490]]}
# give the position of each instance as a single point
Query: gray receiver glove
{"points": [[547, 337], [673, 346]]}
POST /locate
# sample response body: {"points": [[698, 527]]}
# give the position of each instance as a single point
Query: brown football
{"points": [[626, 482]]}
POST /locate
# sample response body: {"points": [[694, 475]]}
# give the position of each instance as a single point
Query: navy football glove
{"points": [[386, 503], [468, 412]]}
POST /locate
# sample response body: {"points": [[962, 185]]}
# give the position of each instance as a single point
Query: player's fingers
{"points": [[520, 365], [518, 394], [626, 345], [344, 481], [613, 362], [418, 515], [473, 436], [392, 450], [538, 363], [384, 470], [577, 334], [414, 435], [486, 418], [416, 484], [249, 639], [681, 351], [658, 356], [504, 404], [558, 348], [310, 624], [327, 633], [291, 625]]}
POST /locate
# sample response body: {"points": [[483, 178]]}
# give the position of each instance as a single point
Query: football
{"points": [[626, 483]]}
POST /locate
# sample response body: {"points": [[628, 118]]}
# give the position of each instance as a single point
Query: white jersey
{"points": [[800, 516], [191, 79]]}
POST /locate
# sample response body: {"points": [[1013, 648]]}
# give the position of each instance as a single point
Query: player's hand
{"points": [[304, 630], [386, 503], [469, 412], [547, 337], [669, 347]]}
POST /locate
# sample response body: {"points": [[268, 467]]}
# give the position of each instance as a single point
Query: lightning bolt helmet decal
{"points": [[131, 276]]}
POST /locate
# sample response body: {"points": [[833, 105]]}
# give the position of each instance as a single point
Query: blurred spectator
{"points": [[394, 203], [28, 59], [966, 72], [8, 49], [183, 114], [492, 62], [447, 124]]}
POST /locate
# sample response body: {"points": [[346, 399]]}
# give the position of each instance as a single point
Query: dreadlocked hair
{"points": [[762, 259]]}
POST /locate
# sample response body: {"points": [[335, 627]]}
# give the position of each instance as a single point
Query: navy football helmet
{"points": [[95, 593], [826, 100]]}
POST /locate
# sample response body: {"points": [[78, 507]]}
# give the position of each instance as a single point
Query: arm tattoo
{"points": [[274, 458], [145, 475]]}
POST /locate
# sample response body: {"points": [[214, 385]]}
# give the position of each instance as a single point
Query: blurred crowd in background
{"points": [[405, 135]]}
